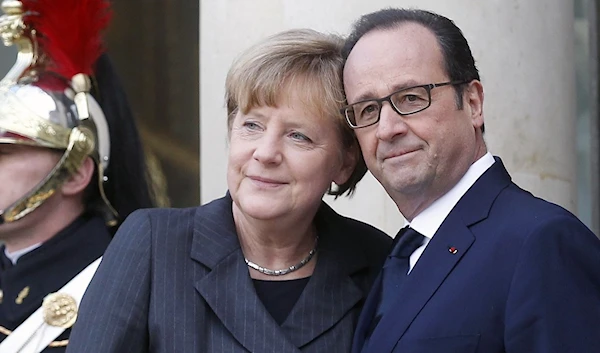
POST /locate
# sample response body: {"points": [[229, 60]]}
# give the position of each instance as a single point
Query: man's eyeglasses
{"points": [[404, 102]]}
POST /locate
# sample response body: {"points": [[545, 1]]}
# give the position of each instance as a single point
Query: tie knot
{"points": [[408, 240]]}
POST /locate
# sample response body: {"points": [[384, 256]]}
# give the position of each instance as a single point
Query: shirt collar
{"points": [[15, 255], [430, 220]]}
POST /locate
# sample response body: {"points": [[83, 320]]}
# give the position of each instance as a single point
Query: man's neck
{"points": [[414, 204], [37, 227], [429, 220]]}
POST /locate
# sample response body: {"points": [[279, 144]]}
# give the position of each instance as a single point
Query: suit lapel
{"points": [[228, 288], [331, 292], [425, 278], [437, 261], [367, 314]]}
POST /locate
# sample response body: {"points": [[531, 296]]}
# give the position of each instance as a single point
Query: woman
{"points": [[269, 267]]}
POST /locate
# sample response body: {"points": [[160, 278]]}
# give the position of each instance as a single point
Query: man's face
{"points": [[21, 169], [418, 157]]}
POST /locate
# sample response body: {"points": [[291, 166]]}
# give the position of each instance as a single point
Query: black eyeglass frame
{"points": [[388, 98]]}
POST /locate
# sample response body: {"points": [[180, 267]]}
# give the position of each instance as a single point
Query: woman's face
{"points": [[282, 160]]}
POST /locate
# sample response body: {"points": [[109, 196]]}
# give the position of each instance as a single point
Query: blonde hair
{"points": [[303, 60]]}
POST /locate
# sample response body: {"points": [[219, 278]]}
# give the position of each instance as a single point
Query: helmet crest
{"points": [[45, 100]]}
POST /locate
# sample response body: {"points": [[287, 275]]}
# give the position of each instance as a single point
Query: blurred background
{"points": [[538, 61]]}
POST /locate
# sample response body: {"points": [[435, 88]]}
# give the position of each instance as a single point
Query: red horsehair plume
{"points": [[69, 32]]}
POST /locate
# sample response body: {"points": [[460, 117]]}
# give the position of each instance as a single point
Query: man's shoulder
{"points": [[518, 212], [524, 203], [514, 200]]}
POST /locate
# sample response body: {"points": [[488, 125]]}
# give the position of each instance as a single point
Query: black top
{"points": [[48, 268], [279, 297]]}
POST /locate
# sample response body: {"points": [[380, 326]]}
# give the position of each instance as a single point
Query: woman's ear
{"points": [[349, 160], [79, 181]]}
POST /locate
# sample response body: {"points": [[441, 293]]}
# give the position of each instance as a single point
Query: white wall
{"points": [[524, 53]]}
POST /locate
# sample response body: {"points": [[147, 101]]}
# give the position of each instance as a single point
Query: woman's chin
{"points": [[264, 208]]}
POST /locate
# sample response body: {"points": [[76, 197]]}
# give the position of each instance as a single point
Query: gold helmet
{"points": [[45, 98]]}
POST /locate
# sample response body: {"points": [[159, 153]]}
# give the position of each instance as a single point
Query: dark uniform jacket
{"points": [[175, 280], [46, 270]]}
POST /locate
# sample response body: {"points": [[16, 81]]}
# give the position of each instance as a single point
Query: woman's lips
{"points": [[265, 182]]}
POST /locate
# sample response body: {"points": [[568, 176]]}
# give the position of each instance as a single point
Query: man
{"points": [[71, 168], [484, 266]]}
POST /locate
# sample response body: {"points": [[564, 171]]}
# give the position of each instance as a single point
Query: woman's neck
{"points": [[276, 244]]}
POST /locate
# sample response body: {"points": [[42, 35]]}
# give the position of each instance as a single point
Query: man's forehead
{"points": [[387, 60], [405, 41]]}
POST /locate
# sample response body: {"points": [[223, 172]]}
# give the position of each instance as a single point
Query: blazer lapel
{"points": [[367, 315], [331, 292], [227, 288], [437, 261]]}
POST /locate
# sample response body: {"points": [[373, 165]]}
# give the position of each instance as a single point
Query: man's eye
{"points": [[369, 110]]}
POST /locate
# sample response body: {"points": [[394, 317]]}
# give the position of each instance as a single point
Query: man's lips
{"points": [[399, 153]]}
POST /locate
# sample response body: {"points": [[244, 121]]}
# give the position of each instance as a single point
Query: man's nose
{"points": [[390, 123]]}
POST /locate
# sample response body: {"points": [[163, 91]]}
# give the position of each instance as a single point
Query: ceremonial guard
{"points": [[71, 167]]}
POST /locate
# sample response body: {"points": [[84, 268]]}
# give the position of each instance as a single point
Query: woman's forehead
{"points": [[311, 95]]}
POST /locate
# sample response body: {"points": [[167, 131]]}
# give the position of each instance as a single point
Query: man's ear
{"points": [[77, 182], [474, 100], [349, 160]]}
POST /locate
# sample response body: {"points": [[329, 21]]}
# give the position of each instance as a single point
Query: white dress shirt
{"points": [[429, 220]]}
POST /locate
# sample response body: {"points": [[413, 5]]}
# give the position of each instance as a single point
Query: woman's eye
{"points": [[250, 125], [300, 137]]}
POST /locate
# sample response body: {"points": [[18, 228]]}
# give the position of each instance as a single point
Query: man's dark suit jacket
{"points": [[176, 281], [525, 278]]}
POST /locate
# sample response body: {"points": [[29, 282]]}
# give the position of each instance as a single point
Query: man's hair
{"points": [[302, 61], [458, 60]]}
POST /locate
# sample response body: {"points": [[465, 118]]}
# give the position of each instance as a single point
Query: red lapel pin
{"points": [[452, 250]]}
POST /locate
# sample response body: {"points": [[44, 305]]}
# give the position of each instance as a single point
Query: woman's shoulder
{"points": [[156, 216], [174, 222], [170, 215]]}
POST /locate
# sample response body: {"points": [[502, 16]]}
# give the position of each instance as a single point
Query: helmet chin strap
{"points": [[81, 144]]}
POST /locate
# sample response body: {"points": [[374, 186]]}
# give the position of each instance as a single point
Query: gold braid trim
{"points": [[55, 344]]}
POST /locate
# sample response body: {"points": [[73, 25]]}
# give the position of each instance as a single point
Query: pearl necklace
{"points": [[284, 271]]}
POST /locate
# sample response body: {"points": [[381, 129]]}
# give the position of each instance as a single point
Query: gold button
{"points": [[22, 295], [59, 310]]}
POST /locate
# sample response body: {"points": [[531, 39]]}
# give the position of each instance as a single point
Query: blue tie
{"points": [[395, 271]]}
